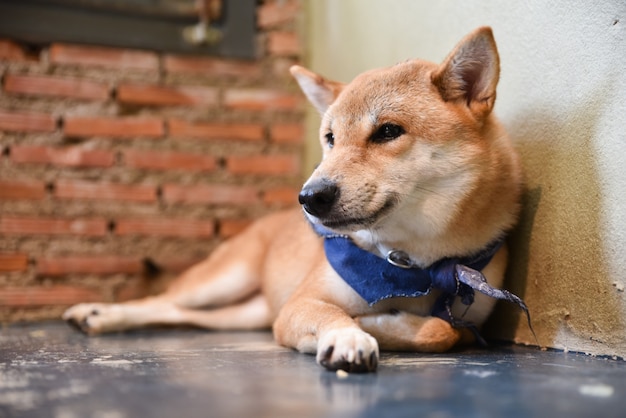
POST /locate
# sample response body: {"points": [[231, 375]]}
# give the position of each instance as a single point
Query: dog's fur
{"points": [[413, 160]]}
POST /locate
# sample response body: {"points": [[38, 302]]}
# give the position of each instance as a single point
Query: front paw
{"points": [[349, 349], [94, 318]]}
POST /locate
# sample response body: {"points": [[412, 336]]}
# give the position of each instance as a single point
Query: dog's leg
{"points": [[324, 329], [98, 318], [221, 292], [403, 331], [313, 321]]}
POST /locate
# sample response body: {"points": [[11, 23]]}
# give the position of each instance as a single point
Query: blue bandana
{"points": [[375, 278]]}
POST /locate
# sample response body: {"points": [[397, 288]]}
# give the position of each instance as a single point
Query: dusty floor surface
{"points": [[50, 370]]}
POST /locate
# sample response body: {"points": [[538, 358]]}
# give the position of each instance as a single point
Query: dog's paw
{"points": [[95, 318], [348, 349]]}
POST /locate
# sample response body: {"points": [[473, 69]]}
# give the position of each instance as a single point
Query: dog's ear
{"points": [[320, 92], [470, 73]]}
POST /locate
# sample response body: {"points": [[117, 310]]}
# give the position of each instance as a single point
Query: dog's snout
{"points": [[319, 198]]}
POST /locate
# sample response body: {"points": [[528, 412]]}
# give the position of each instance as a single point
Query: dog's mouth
{"points": [[341, 222]]}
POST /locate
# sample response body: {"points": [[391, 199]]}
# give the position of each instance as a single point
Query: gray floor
{"points": [[50, 370]]}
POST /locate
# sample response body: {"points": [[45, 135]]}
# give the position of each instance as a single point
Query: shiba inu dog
{"points": [[401, 221]]}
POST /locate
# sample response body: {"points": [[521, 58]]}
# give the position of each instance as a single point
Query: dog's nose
{"points": [[318, 198]]}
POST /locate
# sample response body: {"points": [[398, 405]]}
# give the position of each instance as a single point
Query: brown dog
{"points": [[415, 168]]}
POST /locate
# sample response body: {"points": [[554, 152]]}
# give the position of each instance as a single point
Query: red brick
{"points": [[283, 196], [34, 190], [232, 227], [119, 59], [211, 66], [181, 228], [13, 262], [89, 264], [178, 264], [276, 13], [215, 131], [128, 127], [64, 156], [26, 121], [153, 95], [135, 288], [55, 86], [11, 51], [283, 44], [260, 99], [287, 133], [153, 160], [263, 164], [210, 194], [43, 296], [77, 189], [22, 225]]}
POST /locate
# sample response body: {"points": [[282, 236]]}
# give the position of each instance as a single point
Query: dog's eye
{"points": [[387, 132], [330, 139]]}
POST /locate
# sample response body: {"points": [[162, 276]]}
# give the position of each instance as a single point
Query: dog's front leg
{"points": [[313, 321], [324, 329], [403, 331]]}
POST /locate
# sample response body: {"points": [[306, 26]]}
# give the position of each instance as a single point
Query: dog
{"points": [[416, 169]]}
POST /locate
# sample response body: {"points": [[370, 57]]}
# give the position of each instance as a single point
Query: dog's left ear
{"points": [[470, 73], [320, 92]]}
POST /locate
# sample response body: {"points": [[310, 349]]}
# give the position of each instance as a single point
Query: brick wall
{"points": [[118, 165]]}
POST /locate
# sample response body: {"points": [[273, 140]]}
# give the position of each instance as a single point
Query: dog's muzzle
{"points": [[319, 197]]}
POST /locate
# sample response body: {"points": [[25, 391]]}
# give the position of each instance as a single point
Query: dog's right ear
{"points": [[320, 92]]}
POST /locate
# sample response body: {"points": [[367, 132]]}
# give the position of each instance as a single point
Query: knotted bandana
{"points": [[376, 279]]}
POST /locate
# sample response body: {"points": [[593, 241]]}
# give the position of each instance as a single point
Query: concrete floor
{"points": [[50, 370]]}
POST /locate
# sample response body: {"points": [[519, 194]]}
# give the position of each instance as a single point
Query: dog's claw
{"points": [[358, 365], [79, 325], [93, 319], [350, 350], [74, 324], [329, 351], [373, 360]]}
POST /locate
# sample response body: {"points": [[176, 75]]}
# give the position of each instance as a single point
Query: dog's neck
{"points": [[371, 241], [422, 249]]}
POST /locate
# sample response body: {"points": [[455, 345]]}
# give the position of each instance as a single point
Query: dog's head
{"points": [[405, 139]]}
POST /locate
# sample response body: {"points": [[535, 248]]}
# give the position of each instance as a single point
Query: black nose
{"points": [[318, 198]]}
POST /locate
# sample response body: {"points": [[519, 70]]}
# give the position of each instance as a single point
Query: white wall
{"points": [[562, 95]]}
